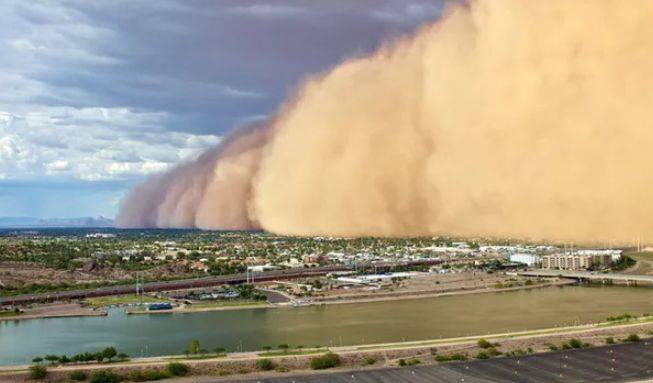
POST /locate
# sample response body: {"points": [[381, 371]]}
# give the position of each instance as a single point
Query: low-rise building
{"points": [[575, 261], [529, 260]]}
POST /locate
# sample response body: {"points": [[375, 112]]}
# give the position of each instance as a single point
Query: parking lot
{"points": [[616, 363]]}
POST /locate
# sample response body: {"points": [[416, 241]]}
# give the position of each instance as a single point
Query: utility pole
{"points": [[139, 287]]}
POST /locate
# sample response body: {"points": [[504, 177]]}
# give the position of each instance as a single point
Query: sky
{"points": [[96, 95]]}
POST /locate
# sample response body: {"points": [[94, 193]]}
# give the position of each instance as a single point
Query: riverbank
{"points": [[187, 309], [435, 294], [54, 310], [368, 298], [246, 364]]}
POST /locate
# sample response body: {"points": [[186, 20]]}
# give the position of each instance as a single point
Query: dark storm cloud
{"points": [[114, 90], [211, 64]]}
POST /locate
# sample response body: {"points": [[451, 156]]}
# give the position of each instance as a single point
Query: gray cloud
{"points": [[119, 89]]}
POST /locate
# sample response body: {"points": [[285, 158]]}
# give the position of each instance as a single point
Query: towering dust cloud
{"points": [[505, 118]]}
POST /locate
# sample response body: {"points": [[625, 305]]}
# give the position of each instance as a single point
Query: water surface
{"points": [[149, 335]]}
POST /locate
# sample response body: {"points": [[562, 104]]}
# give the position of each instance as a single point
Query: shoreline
{"points": [[411, 295], [56, 310]]}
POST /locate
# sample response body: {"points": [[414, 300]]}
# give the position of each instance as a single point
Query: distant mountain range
{"points": [[29, 222]]}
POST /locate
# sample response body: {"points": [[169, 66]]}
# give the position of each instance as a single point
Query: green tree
{"points": [[194, 347], [53, 359], [109, 353]]}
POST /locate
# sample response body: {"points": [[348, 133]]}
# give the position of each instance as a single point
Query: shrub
{"points": [[223, 372], [609, 340], [402, 362], [104, 376], [632, 338], [265, 364], [493, 351], [78, 376], [369, 361], [37, 372], [517, 352], [575, 343], [281, 369], [622, 317], [553, 347], [37, 360], [413, 362], [148, 375], [328, 360], [482, 343], [482, 355], [447, 358], [178, 369]]}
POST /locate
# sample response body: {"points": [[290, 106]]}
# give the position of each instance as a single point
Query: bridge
{"points": [[588, 276]]}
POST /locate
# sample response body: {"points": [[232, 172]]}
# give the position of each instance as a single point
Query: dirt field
{"points": [[431, 284], [18, 274], [644, 265]]}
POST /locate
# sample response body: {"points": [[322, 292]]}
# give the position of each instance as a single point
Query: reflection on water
{"points": [[142, 335]]}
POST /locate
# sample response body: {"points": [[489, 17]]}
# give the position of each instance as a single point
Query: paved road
{"points": [[618, 363]]}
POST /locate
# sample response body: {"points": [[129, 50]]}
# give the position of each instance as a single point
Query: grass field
{"points": [[226, 303], [120, 300], [8, 314]]}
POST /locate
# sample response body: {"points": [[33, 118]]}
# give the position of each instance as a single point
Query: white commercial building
{"points": [[529, 260]]}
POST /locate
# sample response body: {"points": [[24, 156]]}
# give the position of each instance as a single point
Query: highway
{"points": [[197, 282], [589, 276], [616, 363]]}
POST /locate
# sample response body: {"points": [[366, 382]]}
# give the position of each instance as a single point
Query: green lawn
{"points": [[9, 314], [120, 300], [227, 303]]}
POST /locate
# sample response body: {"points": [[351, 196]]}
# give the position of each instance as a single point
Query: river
{"points": [[376, 322]]}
